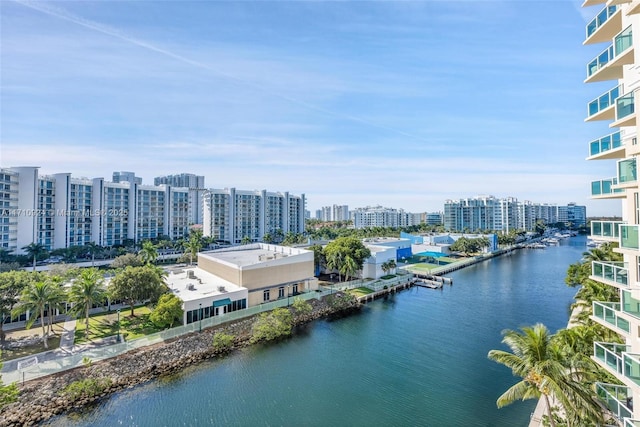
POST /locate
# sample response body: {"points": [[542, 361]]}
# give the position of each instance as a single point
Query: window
{"points": [[281, 292], [295, 289], [266, 296]]}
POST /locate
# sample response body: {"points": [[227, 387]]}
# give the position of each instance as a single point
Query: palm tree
{"points": [[87, 290], [93, 249], [34, 250], [149, 252], [34, 299], [349, 267], [193, 245], [539, 361], [334, 262]]}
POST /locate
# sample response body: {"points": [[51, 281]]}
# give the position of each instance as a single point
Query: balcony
{"points": [[604, 26], [634, 8], [612, 273], [604, 189], [618, 398], [628, 422], [607, 147], [603, 107], [629, 237], [608, 64], [609, 356], [608, 314], [625, 109], [606, 230], [631, 367], [627, 173]]}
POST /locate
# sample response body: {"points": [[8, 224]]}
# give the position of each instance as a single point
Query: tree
{"points": [[349, 267], [137, 284], [246, 240], [148, 253], [267, 238], [127, 260], [319, 260], [168, 311], [385, 267], [35, 251], [93, 249], [539, 361], [338, 251], [302, 308], [193, 245], [87, 290], [12, 283], [272, 325], [34, 299]]}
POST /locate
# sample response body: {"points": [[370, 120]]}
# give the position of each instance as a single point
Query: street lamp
{"points": [[118, 338], [288, 293], [200, 317]]}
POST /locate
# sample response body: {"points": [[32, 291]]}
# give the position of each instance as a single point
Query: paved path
{"points": [[68, 335]]}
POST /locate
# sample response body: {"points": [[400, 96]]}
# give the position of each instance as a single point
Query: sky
{"points": [[403, 104]]}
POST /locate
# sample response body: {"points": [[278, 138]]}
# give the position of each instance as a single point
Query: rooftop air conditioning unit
{"points": [[221, 289], [191, 274], [191, 287]]}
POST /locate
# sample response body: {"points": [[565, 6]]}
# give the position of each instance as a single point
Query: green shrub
{"points": [[89, 387], [272, 325], [302, 307], [341, 301], [222, 341]]}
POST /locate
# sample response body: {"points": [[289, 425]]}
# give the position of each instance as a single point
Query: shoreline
{"points": [[42, 399]]}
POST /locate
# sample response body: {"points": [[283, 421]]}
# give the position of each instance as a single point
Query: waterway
{"points": [[418, 358]]}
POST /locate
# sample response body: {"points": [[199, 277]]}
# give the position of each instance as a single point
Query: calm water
{"points": [[418, 358]]}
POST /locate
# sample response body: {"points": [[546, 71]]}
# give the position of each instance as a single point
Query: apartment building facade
{"points": [[615, 28], [231, 215], [59, 211], [507, 214]]}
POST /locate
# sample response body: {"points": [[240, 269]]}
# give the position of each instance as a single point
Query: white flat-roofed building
{"points": [[384, 249], [268, 272], [205, 294]]}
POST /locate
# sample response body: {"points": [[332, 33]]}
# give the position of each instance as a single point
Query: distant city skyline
{"points": [[401, 104]]}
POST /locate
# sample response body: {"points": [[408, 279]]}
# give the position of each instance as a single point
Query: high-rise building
{"points": [[59, 211], [615, 28], [126, 177], [232, 215], [507, 214], [195, 184]]}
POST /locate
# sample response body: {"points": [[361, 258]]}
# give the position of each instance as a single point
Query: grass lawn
{"points": [[104, 325], [388, 276], [53, 342], [361, 291]]}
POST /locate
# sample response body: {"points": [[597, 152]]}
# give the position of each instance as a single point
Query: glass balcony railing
{"points": [[604, 101], [616, 272], [628, 422], [625, 106], [630, 305], [606, 229], [629, 237], [606, 143], [605, 187], [600, 19], [608, 312], [600, 61], [610, 354], [631, 367], [627, 170], [623, 41], [618, 398]]}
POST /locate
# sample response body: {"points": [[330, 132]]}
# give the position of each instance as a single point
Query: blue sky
{"points": [[403, 104]]}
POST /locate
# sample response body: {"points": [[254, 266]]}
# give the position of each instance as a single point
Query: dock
{"points": [[431, 281]]}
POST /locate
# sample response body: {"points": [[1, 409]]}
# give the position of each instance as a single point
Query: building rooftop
{"points": [[194, 283], [256, 253]]}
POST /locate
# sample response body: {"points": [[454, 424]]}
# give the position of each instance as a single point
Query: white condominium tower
{"points": [[232, 215], [614, 28], [59, 211]]}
